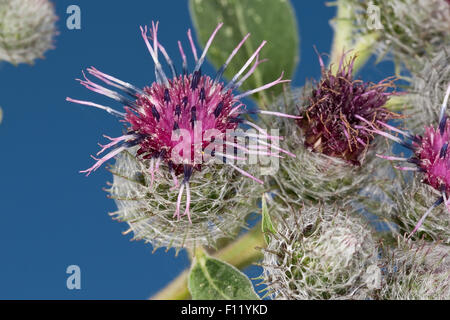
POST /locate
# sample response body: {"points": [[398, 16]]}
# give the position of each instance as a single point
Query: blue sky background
{"points": [[51, 215]]}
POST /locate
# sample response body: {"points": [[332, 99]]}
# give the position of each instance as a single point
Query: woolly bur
{"points": [[184, 131], [221, 199], [320, 253], [27, 29], [403, 203], [416, 270], [333, 148]]}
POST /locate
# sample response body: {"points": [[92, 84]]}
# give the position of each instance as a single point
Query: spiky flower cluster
{"points": [[330, 141], [183, 126], [219, 207], [316, 177], [334, 121], [408, 29], [27, 29], [430, 156], [321, 253], [416, 271], [310, 176]]}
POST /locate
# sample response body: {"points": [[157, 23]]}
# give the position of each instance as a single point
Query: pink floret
{"points": [[436, 166]]}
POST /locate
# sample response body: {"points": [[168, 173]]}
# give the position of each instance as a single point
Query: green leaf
{"points": [[266, 223], [271, 20], [212, 279]]}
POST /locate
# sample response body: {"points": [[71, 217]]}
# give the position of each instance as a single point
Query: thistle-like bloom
{"points": [[192, 107], [330, 141], [320, 253], [314, 176], [431, 156], [334, 121], [27, 29]]}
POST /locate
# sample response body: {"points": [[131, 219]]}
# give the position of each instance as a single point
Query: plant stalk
{"points": [[343, 39]]}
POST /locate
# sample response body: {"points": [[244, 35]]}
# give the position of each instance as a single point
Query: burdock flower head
{"points": [[333, 150], [320, 253], [405, 199], [181, 125], [220, 201], [27, 29], [333, 122], [431, 156]]}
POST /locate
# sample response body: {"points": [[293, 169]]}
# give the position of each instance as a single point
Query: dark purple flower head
{"points": [[176, 119], [333, 122], [431, 156]]}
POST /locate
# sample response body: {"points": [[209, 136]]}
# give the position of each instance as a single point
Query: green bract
{"points": [[221, 199], [212, 279]]}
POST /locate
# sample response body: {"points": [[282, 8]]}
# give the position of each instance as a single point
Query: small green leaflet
{"points": [[266, 223], [212, 279]]}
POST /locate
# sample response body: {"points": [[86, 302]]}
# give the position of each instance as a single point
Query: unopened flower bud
{"points": [[320, 253], [27, 29]]}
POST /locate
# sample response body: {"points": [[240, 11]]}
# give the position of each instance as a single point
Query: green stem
{"points": [[343, 39], [364, 49], [342, 32], [240, 254]]}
